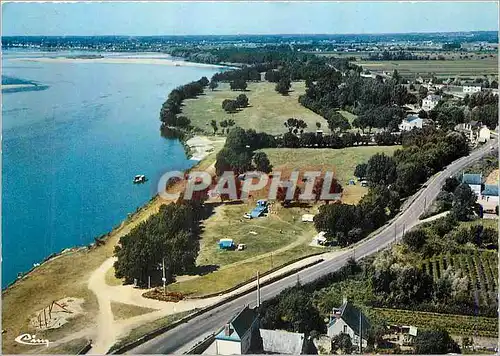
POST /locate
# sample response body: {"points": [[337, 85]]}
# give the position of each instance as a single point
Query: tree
{"points": [[262, 163], [318, 125], [242, 101], [238, 84], [337, 122], [283, 86], [203, 81], [213, 84], [213, 123], [293, 311], [343, 343], [223, 125], [360, 170], [450, 184], [290, 140], [415, 239], [230, 106], [422, 92], [435, 341], [464, 202], [169, 236], [381, 169]]}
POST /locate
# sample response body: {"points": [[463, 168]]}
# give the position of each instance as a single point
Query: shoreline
{"points": [[122, 60], [202, 146]]}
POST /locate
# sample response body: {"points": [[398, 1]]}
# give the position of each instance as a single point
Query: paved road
{"points": [[186, 335]]}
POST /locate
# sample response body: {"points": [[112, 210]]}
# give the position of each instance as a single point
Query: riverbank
{"points": [[66, 274], [121, 60]]}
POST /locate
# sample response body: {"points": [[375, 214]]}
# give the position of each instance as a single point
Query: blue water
{"points": [[70, 152]]}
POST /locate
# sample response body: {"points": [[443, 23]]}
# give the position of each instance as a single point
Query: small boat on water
{"points": [[141, 178]]}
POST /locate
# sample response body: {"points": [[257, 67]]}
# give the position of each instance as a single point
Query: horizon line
{"points": [[263, 34]]}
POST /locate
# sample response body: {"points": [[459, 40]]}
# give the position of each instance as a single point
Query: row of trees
{"points": [[171, 108]]}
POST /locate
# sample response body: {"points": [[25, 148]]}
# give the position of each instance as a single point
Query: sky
{"points": [[232, 18]]}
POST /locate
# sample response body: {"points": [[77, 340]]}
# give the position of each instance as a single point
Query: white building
{"points": [[430, 102], [471, 88], [349, 320], [411, 122], [235, 339], [484, 134]]}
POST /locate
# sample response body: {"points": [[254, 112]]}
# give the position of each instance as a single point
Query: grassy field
{"points": [[125, 311], [341, 162], [462, 68], [455, 324], [231, 275], [270, 242], [267, 111]]}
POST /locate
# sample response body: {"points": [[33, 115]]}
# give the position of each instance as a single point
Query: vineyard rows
{"points": [[455, 324], [481, 267]]}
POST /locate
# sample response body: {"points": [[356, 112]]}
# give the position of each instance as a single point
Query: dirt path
{"points": [[492, 177]]}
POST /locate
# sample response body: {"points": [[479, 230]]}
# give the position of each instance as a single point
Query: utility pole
{"points": [[164, 279], [404, 225], [258, 290], [360, 334]]}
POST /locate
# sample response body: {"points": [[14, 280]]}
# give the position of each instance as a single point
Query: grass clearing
{"points": [[124, 311], [462, 68], [226, 277], [341, 162], [267, 111]]}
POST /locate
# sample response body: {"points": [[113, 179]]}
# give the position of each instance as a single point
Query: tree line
{"points": [[172, 107], [391, 179]]}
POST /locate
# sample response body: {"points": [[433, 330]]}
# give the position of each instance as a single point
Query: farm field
{"points": [[454, 324], [267, 110], [462, 68], [341, 162], [481, 268]]}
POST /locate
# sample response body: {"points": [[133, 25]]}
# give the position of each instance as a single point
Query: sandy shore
{"points": [[202, 146], [15, 86], [121, 60]]}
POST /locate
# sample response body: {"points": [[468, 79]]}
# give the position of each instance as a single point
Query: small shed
{"points": [[307, 218], [226, 244]]}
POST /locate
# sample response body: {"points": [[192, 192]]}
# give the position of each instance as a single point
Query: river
{"points": [[70, 151]]}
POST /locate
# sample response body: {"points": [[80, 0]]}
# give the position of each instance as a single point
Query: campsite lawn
{"points": [[267, 110], [462, 68], [341, 162]]}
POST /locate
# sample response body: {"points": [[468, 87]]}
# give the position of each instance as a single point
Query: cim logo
{"points": [[28, 339]]}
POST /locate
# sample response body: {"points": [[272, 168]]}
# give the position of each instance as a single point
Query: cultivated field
{"points": [[481, 267], [455, 324], [267, 110], [462, 68]]}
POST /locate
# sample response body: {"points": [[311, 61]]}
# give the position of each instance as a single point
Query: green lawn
{"points": [[341, 161], [463, 68], [267, 110]]}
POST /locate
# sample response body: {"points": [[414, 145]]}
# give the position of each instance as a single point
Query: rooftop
{"points": [[282, 342], [351, 315], [475, 179], [490, 190]]}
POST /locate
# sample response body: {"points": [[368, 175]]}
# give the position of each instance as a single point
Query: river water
{"points": [[70, 151]]}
